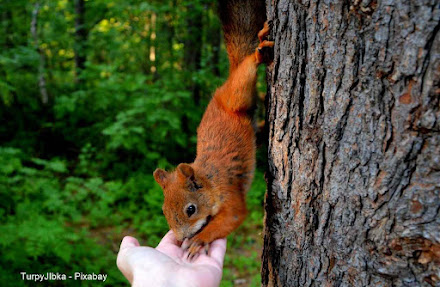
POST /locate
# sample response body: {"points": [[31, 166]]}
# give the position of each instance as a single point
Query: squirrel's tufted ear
{"points": [[186, 171], [160, 176]]}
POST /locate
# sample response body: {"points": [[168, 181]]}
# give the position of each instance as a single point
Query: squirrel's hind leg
{"points": [[263, 32], [238, 93], [259, 51], [264, 43]]}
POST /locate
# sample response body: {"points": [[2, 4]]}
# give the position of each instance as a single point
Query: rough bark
{"points": [[354, 144]]}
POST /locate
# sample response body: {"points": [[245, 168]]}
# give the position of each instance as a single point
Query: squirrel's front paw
{"points": [[193, 246]]}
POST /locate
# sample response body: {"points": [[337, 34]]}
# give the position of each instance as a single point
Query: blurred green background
{"points": [[94, 95]]}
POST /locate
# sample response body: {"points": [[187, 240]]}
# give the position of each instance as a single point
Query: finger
{"points": [[168, 239], [122, 259], [128, 242], [218, 250], [185, 244]]}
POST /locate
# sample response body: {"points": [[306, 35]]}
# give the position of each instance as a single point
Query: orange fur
{"points": [[217, 182]]}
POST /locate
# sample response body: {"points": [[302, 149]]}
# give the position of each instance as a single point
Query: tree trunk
{"points": [[41, 70], [80, 39], [215, 39], [153, 43], [354, 144], [193, 48]]}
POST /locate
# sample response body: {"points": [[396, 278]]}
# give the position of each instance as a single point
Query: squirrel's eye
{"points": [[190, 210]]}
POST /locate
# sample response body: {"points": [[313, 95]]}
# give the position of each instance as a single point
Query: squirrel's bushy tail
{"points": [[241, 21]]}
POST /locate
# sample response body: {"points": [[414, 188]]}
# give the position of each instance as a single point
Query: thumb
{"points": [[128, 242], [122, 260]]}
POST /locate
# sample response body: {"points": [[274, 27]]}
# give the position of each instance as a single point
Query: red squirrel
{"points": [[205, 200]]}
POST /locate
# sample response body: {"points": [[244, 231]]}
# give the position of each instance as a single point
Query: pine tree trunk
{"points": [[354, 144]]}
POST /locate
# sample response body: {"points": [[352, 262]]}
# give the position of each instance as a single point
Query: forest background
{"points": [[94, 95]]}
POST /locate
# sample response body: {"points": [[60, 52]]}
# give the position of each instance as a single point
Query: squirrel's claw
{"points": [[185, 244], [193, 247]]}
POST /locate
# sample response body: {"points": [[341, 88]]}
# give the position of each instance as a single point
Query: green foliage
{"points": [[76, 172], [37, 214], [49, 220]]}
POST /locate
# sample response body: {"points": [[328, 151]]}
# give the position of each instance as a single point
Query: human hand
{"points": [[167, 264]]}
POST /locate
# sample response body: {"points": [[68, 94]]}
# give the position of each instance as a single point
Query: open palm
{"points": [[167, 264]]}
